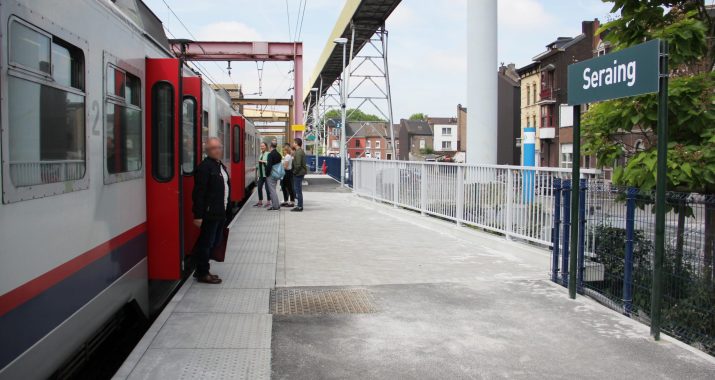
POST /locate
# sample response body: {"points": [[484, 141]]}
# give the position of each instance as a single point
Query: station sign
{"points": [[627, 72]]}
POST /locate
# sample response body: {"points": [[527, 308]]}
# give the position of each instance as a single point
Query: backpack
{"points": [[278, 171]]}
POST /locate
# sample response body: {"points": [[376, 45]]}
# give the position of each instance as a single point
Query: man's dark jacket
{"points": [[273, 158], [299, 166], [209, 191]]}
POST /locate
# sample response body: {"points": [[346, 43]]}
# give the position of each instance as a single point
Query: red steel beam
{"points": [[237, 51], [248, 51]]}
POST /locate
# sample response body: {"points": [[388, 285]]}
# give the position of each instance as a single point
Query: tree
{"points": [[352, 114], [418, 116], [689, 30]]}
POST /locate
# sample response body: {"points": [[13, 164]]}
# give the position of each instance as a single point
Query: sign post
{"points": [[641, 69]]}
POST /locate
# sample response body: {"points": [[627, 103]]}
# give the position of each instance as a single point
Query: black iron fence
{"points": [[616, 250]]}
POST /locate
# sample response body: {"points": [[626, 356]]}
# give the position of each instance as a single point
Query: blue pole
{"points": [[555, 231], [528, 146], [628, 261], [566, 232], [581, 233]]}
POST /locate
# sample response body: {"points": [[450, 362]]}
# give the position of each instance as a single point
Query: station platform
{"points": [[354, 289]]}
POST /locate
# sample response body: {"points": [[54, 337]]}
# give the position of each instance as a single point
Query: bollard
{"points": [[581, 232], [567, 233], [628, 257]]}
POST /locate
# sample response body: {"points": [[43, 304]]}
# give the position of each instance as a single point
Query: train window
{"points": [[236, 144], [205, 126], [30, 48], [115, 82], [46, 134], [162, 131], [123, 126], [188, 135]]}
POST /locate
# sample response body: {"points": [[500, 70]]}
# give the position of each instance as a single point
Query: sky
{"points": [[427, 39]]}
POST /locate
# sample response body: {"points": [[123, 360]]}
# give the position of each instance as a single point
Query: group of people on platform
{"points": [[294, 169], [212, 188]]}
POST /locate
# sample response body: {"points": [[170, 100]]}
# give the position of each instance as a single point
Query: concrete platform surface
{"points": [[453, 303], [448, 303], [218, 331]]}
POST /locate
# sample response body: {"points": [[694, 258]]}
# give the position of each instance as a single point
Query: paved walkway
{"points": [[367, 291]]}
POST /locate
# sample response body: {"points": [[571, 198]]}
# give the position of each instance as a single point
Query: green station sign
{"points": [[627, 72]]}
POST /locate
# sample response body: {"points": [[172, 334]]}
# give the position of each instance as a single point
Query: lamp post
{"points": [[316, 123], [343, 127]]}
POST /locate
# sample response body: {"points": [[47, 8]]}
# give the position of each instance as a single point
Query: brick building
{"points": [[416, 137], [556, 124]]}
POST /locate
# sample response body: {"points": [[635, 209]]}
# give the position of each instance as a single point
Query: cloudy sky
{"points": [[426, 40]]}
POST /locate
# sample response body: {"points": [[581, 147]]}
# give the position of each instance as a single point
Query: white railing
{"points": [[516, 201], [28, 173]]}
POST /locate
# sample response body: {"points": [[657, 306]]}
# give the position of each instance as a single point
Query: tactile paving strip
{"points": [[204, 330], [217, 300], [246, 276], [248, 364], [297, 301]]}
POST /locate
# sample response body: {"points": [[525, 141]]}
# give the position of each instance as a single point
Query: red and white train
{"points": [[102, 127]]}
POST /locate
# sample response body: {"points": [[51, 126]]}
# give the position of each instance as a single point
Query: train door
{"points": [[191, 140], [163, 179], [237, 158]]}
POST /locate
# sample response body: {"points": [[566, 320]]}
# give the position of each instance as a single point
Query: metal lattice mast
{"points": [[369, 80]]}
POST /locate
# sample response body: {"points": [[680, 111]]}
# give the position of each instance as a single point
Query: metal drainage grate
{"points": [[302, 301]]}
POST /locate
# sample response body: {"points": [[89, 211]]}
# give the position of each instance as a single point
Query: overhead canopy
{"points": [[367, 16]]}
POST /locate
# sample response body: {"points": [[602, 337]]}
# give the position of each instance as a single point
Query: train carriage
{"points": [[102, 127]]}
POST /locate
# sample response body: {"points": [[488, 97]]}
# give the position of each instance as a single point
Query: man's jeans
{"points": [[210, 237], [298, 187]]}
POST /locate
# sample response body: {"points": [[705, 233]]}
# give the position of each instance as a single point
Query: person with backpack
{"points": [[275, 173], [287, 182]]}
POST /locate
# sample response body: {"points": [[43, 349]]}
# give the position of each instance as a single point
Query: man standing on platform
{"points": [[212, 189], [300, 169]]}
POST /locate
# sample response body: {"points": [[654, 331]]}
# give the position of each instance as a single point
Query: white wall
{"points": [[439, 137]]}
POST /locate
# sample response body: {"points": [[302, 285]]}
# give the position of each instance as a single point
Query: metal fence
{"points": [[332, 165], [515, 201], [616, 249]]}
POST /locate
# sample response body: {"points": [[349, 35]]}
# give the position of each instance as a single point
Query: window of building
{"points": [[46, 113], [162, 131], [123, 125], [377, 144], [377, 155], [446, 131], [547, 79], [357, 143], [188, 135], [368, 144], [533, 94], [446, 145], [566, 160], [528, 95], [423, 144], [533, 119], [547, 116], [639, 146]]}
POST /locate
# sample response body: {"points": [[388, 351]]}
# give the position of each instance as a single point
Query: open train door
{"points": [[238, 162], [190, 155], [163, 185]]}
